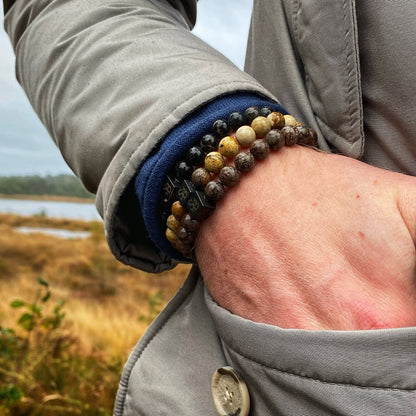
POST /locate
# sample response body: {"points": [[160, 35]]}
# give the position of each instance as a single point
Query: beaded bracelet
{"points": [[204, 173]]}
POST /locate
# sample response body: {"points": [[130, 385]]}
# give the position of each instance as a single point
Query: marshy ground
{"points": [[70, 366]]}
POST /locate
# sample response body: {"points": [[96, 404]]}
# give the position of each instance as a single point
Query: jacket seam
{"points": [[351, 83], [358, 77], [137, 354], [323, 381], [348, 86]]}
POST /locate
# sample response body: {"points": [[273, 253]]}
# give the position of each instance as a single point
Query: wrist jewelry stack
{"points": [[203, 174]]}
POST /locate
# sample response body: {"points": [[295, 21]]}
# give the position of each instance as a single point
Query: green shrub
{"points": [[42, 369]]}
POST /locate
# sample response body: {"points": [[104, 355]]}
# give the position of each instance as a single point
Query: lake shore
{"points": [[49, 198], [50, 207], [13, 220]]}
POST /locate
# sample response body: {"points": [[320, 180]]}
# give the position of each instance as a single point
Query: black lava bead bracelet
{"points": [[205, 171]]}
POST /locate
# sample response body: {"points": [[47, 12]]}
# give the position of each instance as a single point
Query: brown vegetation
{"points": [[11, 221], [107, 305]]}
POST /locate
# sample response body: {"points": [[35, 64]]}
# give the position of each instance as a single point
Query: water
{"points": [[56, 232], [57, 209]]}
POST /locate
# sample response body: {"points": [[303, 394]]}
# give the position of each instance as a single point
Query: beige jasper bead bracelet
{"points": [[205, 173]]}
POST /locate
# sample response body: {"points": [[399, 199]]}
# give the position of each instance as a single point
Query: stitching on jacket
{"points": [[137, 354], [350, 81], [332, 383], [295, 13], [357, 63], [336, 137], [349, 87], [297, 45]]}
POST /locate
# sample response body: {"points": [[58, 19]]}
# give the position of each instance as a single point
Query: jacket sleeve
{"points": [[109, 80]]}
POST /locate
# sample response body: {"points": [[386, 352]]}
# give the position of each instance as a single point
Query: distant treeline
{"points": [[59, 185]]}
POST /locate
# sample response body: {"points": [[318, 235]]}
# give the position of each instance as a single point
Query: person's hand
{"points": [[314, 241]]}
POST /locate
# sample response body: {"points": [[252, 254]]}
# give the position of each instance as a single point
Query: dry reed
{"points": [[107, 304]]}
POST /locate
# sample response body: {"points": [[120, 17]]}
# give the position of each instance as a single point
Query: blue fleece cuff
{"points": [[151, 175]]}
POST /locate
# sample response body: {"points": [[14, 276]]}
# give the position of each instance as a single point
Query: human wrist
{"points": [[151, 175], [190, 192]]}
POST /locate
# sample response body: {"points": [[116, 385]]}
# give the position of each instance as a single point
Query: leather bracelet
{"points": [[203, 174]]}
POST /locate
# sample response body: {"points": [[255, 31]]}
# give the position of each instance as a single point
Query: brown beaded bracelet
{"points": [[206, 171]]}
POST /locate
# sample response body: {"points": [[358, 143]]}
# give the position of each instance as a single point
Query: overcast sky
{"points": [[25, 147]]}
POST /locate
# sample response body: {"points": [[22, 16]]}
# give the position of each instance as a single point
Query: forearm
{"points": [[85, 63], [108, 80]]}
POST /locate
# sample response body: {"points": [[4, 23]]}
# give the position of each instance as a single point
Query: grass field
{"points": [[69, 316]]}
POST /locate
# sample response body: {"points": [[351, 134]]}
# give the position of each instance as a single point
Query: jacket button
{"points": [[230, 393]]}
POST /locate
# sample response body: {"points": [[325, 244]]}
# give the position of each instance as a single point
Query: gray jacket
{"points": [[109, 79]]}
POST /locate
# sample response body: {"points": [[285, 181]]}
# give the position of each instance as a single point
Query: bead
{"points": [[236, 120], [275, 139], [182, 233], [184, 191], [245, 135], [183, 204], [229, 146], [170, 187], [171, 236], [173, 223], [183, 170], [260, 150], [220, 128], [182, 247], [276, 119], [251, 113], [303, 134], [214, 190], [200, 177], [195, 156], [290, 120], [178, 210], [199, 206], [209, 143], [177, 244], [265, 111], [244, 162], [187, 251], [290, 134], [229, 176], [190, 224], [261, 126], [190, 238], [214, 162], [185, 236], [313, 138]]}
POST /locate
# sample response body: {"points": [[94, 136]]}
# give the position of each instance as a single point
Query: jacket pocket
{"points": [[325, 33]]}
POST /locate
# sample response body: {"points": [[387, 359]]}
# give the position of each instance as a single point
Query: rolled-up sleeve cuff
{"points": [[150, 177]]}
